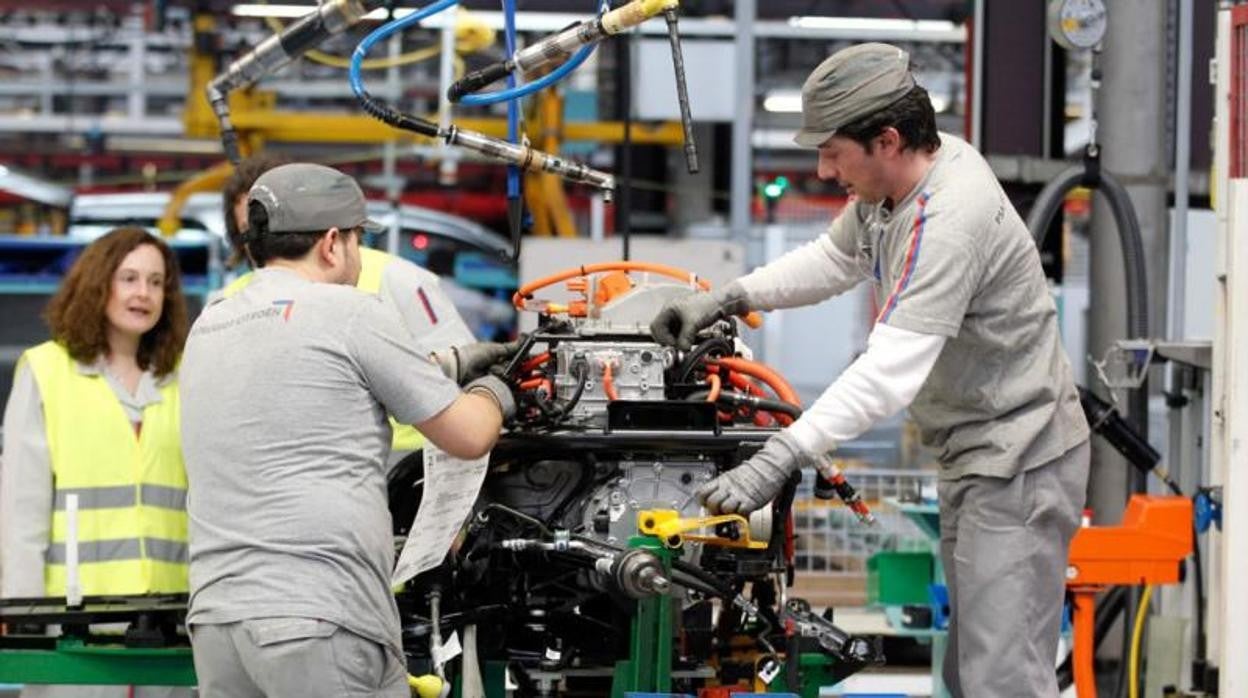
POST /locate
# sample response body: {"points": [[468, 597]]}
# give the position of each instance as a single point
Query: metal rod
{"points": [[448, 168], [977, 79], [390, 151], [515, 205], [1175, 376], [435, 633], [682, 91], [624, 210], [742, 161], [1182, 168]]}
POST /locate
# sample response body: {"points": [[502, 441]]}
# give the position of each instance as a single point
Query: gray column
{"points": [[694, 192], [1131, 111], [741, 183]]}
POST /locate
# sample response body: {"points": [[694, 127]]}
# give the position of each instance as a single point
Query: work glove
{"points": [[471, 361], [678, 323], [494, 388], [757, 480]]}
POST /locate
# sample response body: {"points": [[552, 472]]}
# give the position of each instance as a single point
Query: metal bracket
{"points": [[1125, 364], [1197, 354]]}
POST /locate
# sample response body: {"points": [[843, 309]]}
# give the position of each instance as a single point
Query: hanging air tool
{"points": [[529, 159], [276, 52], [526, 158], [498, 149], [558, 48]]}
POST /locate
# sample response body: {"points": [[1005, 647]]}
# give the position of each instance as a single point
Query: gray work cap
{"points": [[849, 85], [305, 198]]}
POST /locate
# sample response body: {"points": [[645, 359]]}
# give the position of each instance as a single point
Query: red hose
{"points": [[534, 362], [748, 386], [740, 382], [608, 385], [532, 383], [766, 374], [737, 366], [716, 383]]}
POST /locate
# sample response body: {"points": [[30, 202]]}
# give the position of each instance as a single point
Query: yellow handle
{"points": [[673, 531], [634, 13], [427, 686]]}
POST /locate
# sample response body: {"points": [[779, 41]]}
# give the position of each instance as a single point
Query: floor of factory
{"points": [[897, 681]]}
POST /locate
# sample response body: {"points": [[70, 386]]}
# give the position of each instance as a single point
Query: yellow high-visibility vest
{"points": [[131, 489], [372, 265], [237, 285]]}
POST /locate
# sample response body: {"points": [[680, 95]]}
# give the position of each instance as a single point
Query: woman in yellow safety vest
{"points": [[92, 488]]}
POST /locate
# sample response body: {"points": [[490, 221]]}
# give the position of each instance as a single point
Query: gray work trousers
{"points": [[288, 657], [1004, 545]]}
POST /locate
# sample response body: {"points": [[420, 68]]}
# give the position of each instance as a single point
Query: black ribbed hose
{"points": [[393, 117], [1049, 202]]}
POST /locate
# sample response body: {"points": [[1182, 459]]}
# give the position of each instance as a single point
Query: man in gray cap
{"points": [[417, 294], [286, 385], [966, 336]]}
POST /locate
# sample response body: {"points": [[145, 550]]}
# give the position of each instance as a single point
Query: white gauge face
{"points": [[1077, 24]]}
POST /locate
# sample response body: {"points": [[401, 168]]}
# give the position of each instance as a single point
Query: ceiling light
{"points": [[783, 101], [871, 24], [281, 11], [296, 11]]}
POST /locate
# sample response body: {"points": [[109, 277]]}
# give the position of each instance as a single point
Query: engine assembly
{"points": [[588, 566]]}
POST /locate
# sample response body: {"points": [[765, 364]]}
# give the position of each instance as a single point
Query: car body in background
{"points": [[480, 274], [91, 215]]}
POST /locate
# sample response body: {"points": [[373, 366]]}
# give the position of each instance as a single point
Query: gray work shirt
{"points": [[953, 258], [285, 390], [422, 299], [425, 304]]}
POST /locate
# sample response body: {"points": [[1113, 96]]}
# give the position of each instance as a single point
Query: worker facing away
{"points": [[286, 385], [93, 416], [415, 293], [966, 336]]}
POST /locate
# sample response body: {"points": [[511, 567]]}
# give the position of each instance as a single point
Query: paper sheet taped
{"points": [[450, 489]]}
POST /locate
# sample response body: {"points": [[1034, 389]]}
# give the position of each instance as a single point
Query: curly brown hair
{"points": [[76, 313], [245, 174]]}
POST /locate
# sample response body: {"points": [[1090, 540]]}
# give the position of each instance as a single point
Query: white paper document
{"points": [[451, 487]]}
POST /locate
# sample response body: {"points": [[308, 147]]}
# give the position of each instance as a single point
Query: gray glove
{"points": [[470, 361], [494, 388], [756, 481], [678, 323]]}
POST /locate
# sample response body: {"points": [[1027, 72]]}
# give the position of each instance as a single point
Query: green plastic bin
{"points": [[896, 578]]}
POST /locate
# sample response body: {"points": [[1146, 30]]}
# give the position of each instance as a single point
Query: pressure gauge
{"points": [[1077, 24]]}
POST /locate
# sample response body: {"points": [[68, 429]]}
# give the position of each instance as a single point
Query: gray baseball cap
{"points": [[303, 197], [849, 85]]}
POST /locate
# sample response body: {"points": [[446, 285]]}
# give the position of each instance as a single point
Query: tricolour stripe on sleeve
{"points": [[424, 301], [912, 259]]}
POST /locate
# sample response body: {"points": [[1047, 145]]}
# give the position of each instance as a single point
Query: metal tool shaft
{"points": [[682, 90], [529, 159]]}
